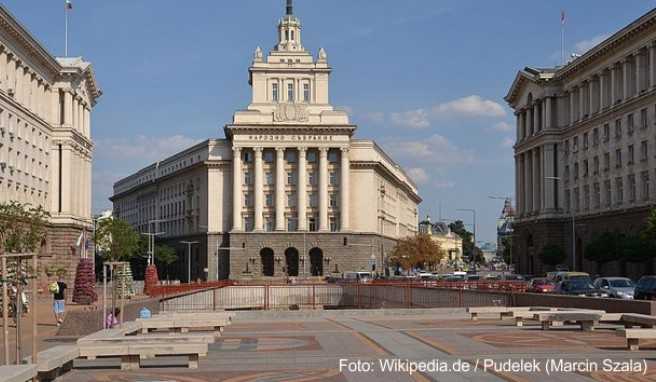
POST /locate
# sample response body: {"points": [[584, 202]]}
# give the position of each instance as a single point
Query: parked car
{"points": [[579, 286], [562, 276], [646, 288], [360, 277], [540, 285], [617, 287]]}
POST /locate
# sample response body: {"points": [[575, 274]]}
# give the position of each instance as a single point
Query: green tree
{"points": [[117, 239], [458, 227], [507, 243], [22, 227], [604, 248], [166, 256], [552, 255], [635, 249], [417, 251]]}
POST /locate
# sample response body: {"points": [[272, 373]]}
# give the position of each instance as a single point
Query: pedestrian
{"points": [[59, 297], [111, 320]]}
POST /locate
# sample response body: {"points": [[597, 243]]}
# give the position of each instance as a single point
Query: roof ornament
{"points": [[290, 8], [322, 55], [257, 56]]}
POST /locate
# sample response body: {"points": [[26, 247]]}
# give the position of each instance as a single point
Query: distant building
{"points": [[450, 242], [489, 251], [505, 226]]}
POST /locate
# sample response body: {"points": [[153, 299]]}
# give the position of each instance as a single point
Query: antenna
{"points": [[290, 8]]}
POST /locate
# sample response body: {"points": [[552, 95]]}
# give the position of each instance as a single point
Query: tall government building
{"points": [[586, 148], [288, 192], [45, 137]]}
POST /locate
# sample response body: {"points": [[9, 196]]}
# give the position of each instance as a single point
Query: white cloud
{"points": [[375, 117], [444, 184], [414, 119], [418, 174], [470, 106], [502, 127], [507, 142], [585, 45], [141, 147], [434, 150]]}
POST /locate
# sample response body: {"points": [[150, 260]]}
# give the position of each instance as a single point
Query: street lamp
{"points": [[189, 244], [473, 211], [556, 179]]}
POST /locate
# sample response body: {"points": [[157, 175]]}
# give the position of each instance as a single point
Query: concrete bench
{"points": [[641, 320], [587, 320], [195, 315], [633, 336], [182, 324], [178, 338], [55, 361], [132, 353], [501, 311], [17, 373], [521, 316], [124, 329]]}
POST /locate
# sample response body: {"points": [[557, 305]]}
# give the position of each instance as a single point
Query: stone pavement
{"points": [[312, 349]]}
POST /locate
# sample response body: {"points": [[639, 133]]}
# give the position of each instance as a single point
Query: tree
{"points": [[417, 251], [507, 243], [22, 227], [458, 227], [552, 255], [604, 248], [117, 239], [167, 256]]}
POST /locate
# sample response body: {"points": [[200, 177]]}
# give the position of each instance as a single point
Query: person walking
{"points": [[59, 298]]}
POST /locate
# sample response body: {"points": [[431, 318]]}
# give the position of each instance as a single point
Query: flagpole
{"points": [[562, 37], [66, 32]]}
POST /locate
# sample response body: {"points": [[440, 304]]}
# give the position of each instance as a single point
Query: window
{"points": [[290, 92], [332, 156], [291, 200], [585, 168], [595, 165], [606, 132], [312, 177], [268, 224], [618, 129], [312, 224], [645, 185], [643, 118], [332, 221], [333, 200], [291, 178], [268, 178], [632, 188], [306, 93], [586, 197], [292, 224], [333, 178], [292, 35], [606, 161], [630, 125], [644, 151], [607, 193], [585, 141], [312, 156], [595, 136], [274, 92], [566, 148], [575, 144], [618, 158], [597, 196], [631, 155], [313, 197], [248, 223], [248, 199], [576, 199], [248, 158], [268, 199], [568, 205], [576, 170], [292, 157], [268, 156], [619, 191], [248, 179]]}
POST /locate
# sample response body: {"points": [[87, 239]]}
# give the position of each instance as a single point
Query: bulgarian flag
{"points": [[69, 5]]}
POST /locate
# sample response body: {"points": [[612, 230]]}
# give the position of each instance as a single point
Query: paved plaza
{"points": [[293, 346]]}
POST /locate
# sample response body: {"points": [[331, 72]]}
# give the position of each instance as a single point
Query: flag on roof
{"points": [[562, 17], [69, 4]]}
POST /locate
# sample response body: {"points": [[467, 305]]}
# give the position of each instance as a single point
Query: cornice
{"points": [[388, 175], [231, 129]]}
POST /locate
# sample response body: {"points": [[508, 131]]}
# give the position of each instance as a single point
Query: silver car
{"points": [[617, 287]]}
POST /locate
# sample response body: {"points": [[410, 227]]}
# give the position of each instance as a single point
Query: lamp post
{"points": [[556, 179], [189, 244]]}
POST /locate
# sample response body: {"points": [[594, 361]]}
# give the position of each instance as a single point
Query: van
{"points": [[359, 276]]}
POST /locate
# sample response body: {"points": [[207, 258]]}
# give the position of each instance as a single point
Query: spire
{"points": [[290, 8]]}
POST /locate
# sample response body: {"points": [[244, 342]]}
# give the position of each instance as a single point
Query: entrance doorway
{"points": [[291, 260], [316, 262], [266, 257]]}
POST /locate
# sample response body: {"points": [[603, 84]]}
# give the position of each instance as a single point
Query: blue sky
{"points": [[424, 78]]}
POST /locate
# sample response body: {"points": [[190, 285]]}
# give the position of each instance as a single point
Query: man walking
{"points": [[59, 296]]}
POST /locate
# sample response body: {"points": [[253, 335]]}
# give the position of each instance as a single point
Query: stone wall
{"points": [[61, 251]]}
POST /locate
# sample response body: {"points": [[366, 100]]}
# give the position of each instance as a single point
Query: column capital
{"points": [[345, 149], [258, 149], [280, 150], [323, 150], [302, 149]]}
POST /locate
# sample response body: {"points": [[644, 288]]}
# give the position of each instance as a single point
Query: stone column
{"points": [[536, 116], [592, 100], [66, 180], [549, 152], [625, 79], [581, 110], [602, 92], [259, 189], [87, 121], [637, 68], [537, 181], [518, 184], [301, 189], [571, 107], [344, 185], [518, 126], [548, 113], [652, 66], [528, 180], [68, 101], [236, 190], [280, 189], [323, 189]]}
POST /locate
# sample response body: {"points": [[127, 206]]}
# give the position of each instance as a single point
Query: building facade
{"points": [[505, 227], [449, 241], [585, 152], [45, 136], [288, 192]]}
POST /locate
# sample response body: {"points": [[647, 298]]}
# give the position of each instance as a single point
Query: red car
{"points": [[540, 285]]}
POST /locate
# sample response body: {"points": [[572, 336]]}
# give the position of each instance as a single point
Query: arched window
{"points": [[316, 262], [292, 35], [266, 258], [287, 35], [291, 261]]}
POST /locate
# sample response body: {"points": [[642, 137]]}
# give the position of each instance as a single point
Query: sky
{"points": [[424, 78]]}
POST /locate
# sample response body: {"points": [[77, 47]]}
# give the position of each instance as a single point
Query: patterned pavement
{"points": [[311, 349]]}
